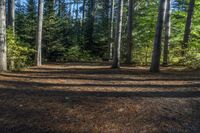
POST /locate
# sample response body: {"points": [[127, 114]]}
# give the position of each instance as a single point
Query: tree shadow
{"points": [[150, 94], [39, 119], [84, 77]]}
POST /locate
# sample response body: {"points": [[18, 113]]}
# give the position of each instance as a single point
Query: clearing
{"points": [[92, 98]]}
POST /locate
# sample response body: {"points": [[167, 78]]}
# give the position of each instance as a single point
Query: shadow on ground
{"points": [[46, 100]]}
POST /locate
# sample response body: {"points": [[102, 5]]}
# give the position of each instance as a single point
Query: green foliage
{"points": [[19, 55], [192, 59], [76, 53], [26, 22], [68, 37]]}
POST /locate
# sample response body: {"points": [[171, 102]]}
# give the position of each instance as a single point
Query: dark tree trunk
{"points": [[129, 35], [11, 14], [167, 33], [83, 13], [117, 48], [155, 64], [188, 26], [90, 25]]}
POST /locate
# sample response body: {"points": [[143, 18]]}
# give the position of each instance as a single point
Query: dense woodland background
{"points": [[85, 30]]}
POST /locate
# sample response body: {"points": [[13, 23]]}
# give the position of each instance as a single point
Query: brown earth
{"points": [[92, 98]]}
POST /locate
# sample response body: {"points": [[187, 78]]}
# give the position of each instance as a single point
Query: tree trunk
{"points": [[77, 8], [155, 64], [39, 33], [11, 14], [59, 8], [188, 26], [3, 49], [83, 13], [117, 48], [90, 26], [129, 33], [167, 33], [112, 12]]}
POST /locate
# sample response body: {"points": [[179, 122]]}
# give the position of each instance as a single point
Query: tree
{"points": [[39, 33], [3, 49], [112, 12], [129, 33], [11, 14], [90, 25], [188, 26], [117, 48], [83, 11], [155, 64], [28, 29], [167, 33]]}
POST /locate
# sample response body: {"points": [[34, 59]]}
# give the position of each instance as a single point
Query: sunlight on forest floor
{"points": [[92, 98]]}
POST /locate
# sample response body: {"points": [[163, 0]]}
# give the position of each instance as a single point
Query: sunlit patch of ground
{"points": [[92, 98]]}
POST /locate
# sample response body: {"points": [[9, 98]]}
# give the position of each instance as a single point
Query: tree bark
{"points": [[117, 48], [39, 33], [11, 14], [3, 48], [188, 26], [90, 26], [129, 33], [167, 33], [155, 64], [83, 13], [112, 12]]}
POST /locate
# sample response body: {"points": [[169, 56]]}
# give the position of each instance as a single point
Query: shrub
{"points": [[18, 54], [75, 54]]}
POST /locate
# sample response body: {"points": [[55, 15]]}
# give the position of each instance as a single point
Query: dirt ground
{"points": [[92, 98]]}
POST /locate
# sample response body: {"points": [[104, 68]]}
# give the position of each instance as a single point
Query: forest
{"points": [[99, 66], [93, 31]]}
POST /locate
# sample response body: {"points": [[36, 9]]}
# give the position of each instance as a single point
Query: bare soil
{"points": [[92, 98]]}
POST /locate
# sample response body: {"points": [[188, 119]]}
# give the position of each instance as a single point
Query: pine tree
{"points": [[188, 26], [167, 33], [129, 33], [3, 49], [112, 12], [39, 33], [30, 24], [117, 48], [11, 14], [90, 25], [155, 64]]}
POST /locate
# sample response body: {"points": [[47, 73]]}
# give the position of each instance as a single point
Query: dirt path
{"points": [[92, 98]]}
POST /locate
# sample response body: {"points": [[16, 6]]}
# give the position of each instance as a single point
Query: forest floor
{"points": [[92, 98]]}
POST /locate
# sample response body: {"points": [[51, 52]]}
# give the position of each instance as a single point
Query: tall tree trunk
{"points": [[39, 33], [155, 64], [117, 48], [112, 12], [77, 8], [167, 33], [59, 8], [188, 25], [90, 25], [77, 21], [129, 35], [3, 49], [83, 12], [11, 14]]}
